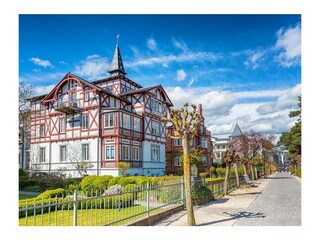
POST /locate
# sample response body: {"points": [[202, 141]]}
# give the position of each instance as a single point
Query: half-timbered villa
{"points": [[84, 127], [201, 142]]}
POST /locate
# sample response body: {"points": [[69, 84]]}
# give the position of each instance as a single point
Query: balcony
{"points": [[70, 107]]}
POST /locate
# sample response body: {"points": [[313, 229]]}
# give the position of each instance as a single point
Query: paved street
{"points": [[276, 201], [279, 204]]}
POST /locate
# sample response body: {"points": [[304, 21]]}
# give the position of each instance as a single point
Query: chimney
{"points": [[200, 108]]}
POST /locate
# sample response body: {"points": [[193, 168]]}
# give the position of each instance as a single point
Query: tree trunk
{"points": [[255, 172], [187, 182], [252, 173], [226, 179], [244, 168], [237, 174]]}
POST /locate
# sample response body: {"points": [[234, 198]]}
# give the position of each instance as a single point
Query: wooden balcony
{"points": [[67, 107]]}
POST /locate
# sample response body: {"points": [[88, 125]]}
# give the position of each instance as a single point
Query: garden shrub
{"points": [[201, 195], [73, 181], [59, 192], [113, 181], [100, 183], [124, 181], [221, 172], [87, 183]]}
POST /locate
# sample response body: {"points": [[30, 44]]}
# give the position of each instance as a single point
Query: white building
{"points": [[221, 143], [99, 124]]}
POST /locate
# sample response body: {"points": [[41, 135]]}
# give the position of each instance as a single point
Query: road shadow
{"points": [[235, 216]]}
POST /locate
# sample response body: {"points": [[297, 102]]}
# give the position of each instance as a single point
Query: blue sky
{"points": [[244, 68]]}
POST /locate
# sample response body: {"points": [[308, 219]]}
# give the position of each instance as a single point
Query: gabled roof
{"points": [[236, 131], [86, 83], [141, 90]]}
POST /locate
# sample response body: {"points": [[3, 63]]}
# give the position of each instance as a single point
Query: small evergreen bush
{"points": [[201, 195]]}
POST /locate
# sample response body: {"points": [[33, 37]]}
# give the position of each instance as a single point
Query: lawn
{"points": [[89, 217]]}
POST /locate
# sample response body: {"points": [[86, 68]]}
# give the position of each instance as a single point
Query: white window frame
{"points": [[176, 161], [111, 149], [62, 125], [125, 152], [42, 130], [155, 153], [135, 153], [86, 96], [177, 142], [155, 128], [42, 155], [85, 122], [126, 121], [137, 124], [109, 120], [85, 152], [63, 153]]}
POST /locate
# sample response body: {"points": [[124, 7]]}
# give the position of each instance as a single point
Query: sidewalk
{"points": [[222, 212]]}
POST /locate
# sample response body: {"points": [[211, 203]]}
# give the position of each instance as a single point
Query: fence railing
{"points": [[112, 207]]}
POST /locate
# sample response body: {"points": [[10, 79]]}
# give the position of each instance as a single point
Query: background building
{"points": [[83, 127], [221, 143], [201, 141]]}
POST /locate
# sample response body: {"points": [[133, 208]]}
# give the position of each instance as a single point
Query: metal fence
{"points": [[109, 208]]}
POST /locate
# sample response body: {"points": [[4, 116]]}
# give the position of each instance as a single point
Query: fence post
{"points": [[148, 199], [182, 191], [75, 208]]}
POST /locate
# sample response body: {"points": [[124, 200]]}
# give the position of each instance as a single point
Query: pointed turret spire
{"points": [[117, 68], [236, 131]]}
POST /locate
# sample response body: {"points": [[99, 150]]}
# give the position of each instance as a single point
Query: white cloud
{"points": [[93, 68], [40, 62], [43, 89], [214, 104], [164, 60], [286, 101], [181, 45], [289, 43], [253, 60], [181, 75], [260, 94], [152, 44], [192, 80]]}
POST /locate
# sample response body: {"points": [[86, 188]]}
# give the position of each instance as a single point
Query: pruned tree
{"points": [[229, 157], [195, 156], [123, 167], [186, 123]]}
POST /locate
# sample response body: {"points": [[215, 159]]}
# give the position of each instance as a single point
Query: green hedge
{"points": [[59, 192], [95, 183], [201, 195]]}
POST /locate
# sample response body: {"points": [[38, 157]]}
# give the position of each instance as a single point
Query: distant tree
{"points": [[292, 139], [123, 167], [267, 147], [186, 123], [229, 157]]}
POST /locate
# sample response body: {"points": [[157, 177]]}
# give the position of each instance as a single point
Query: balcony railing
{"points": [[69, 107]]}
